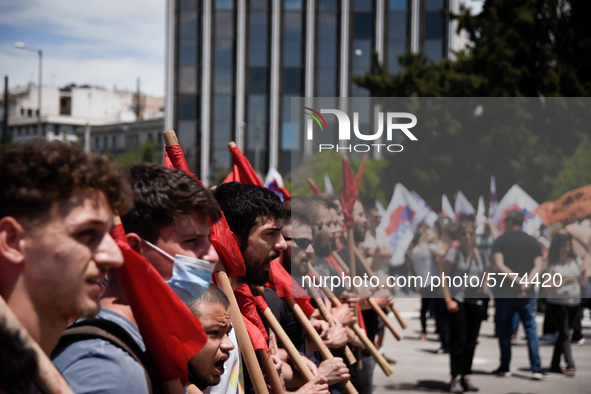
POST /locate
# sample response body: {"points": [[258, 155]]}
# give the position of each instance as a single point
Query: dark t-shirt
{"points": [[286, 318], [519, 252]]}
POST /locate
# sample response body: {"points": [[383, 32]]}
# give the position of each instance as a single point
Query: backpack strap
{"points": [[108, 331]]}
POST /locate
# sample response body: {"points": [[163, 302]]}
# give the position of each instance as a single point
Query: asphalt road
{"points": [[419, 369]]}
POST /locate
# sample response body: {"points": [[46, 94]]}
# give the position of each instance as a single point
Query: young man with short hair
{"points": [[169, 218], [56, 211], [213, 311]]}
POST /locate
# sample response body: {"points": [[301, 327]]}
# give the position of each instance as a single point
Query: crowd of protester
{"points": [[59, 261]]}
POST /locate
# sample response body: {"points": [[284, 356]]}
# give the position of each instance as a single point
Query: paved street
{"points": [[419, 369]]}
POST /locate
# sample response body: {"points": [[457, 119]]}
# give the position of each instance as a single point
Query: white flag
{"points": [[517, 199], [463, 207], [480, 214], [446, 209], [402, 217], [492, 199], [328, 185]]}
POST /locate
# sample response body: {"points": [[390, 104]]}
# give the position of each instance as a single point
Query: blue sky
{"points": [[108, 43]]}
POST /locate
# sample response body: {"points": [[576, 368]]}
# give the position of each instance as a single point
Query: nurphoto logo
{"points": [[394, 121]]}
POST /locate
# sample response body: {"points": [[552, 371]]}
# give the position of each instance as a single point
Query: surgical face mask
{"points": [[190, 276]]}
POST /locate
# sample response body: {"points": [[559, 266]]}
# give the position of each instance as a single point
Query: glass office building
{"points": [[234, 65]]}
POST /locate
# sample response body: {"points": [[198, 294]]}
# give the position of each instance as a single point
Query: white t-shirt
{"points": [[569, 294]]}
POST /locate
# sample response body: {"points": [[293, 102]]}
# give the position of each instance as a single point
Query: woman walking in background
{"points": [[465, 306], [564, 300]]}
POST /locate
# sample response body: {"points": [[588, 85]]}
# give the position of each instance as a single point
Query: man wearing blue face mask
{"points": [[168, 225]]}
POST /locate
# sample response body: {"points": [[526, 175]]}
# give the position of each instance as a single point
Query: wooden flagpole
{"points": [[326, 316], [248, 353], [246, 348], [359, 332]]}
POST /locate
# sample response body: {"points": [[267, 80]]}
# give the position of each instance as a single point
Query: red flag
{"points": [[254, 325], [220, 234], [167, 162], [176, 158], [349, 193], [261, 304], [314, 186], [224, 243], [171, 333], [242, 171], [286, 287], [359, 175]]}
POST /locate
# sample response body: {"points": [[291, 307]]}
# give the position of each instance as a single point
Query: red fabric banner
{"points": [[256, 329], [359, 175], [314, 186], [170, 331], [349, 193], [242, 170], [286, 287]]}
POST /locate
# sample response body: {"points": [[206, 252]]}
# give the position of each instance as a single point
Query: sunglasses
{"points": [[302, 243]]}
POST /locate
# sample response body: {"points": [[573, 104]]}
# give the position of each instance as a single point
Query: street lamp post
{"points": [[21, 45]]}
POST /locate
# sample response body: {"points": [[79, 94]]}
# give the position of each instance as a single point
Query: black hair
{"points": [[244, 203], [212, 295], [34, 174], [558, 241], [516, 217], [159, 194]]}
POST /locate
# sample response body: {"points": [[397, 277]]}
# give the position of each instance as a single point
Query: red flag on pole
{"points": [[359, 175], [286, 287], [175, 158], [171, 333], [349, 193], [314, 186], [242, 171], [254, 325]]}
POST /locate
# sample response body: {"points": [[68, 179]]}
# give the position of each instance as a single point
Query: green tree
{"points": [[147, 152], [529, 48], [575, 172], [330, 163]]}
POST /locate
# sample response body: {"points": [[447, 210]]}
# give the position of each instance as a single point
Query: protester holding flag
{"points": [[254, 215], [298, 235], [56, 211], [213, 311], [169, 218]]}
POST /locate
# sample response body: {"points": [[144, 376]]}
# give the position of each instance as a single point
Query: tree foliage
{"points": [[148, 152], [529, 48]]}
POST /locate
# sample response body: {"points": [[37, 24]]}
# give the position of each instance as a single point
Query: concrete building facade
{"points": [[234, 65]]}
